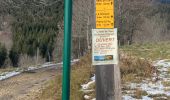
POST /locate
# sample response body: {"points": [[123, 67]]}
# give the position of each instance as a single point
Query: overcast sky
{"points": [[165, 1]]}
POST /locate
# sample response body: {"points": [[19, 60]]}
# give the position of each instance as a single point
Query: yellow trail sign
{"points": [[104, 13]]}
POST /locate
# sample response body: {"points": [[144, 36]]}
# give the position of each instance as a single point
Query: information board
{"points": [[104, 46], [105, 14]]}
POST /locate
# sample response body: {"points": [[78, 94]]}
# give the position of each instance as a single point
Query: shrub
{"points": [[3, 55], [14, 57], [137, 66]]}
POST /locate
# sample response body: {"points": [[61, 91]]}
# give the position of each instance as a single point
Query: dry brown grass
{"points": [[132, 67], [80, 73], [26, 61], [139, 93]]}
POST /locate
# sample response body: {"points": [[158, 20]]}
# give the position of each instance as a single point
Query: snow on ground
{"points": [[159, 89], [146, 98], [87, 85], [93, 78], [75, 60], [154, 89], [86, 88], [72, 62], [87, 97], [126, 97], [6, 75]]}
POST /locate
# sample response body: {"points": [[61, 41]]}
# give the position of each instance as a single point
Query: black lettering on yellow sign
{"points": [[104, 13]]}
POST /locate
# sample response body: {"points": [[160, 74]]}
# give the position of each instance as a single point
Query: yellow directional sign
{"points": [[104, 13]]}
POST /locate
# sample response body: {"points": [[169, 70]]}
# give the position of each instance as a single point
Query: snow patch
{"points": [[146, 98], [86, 86], [18, 71], [128, 98], [87, 97], [75, 60], [93, 78], [152, 87], [8, 75]]}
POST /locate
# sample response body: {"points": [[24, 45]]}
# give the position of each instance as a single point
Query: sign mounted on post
{"points": [[104, 50], [104, 13]]}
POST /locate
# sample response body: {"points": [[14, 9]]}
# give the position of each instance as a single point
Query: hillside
{"points": [[142, 21], [32, 23], [31, 28]]}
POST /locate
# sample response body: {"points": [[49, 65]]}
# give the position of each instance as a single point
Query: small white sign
{"points": [[104, 46]]}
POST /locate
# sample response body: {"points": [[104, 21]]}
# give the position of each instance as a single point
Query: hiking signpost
{"points": [[105, 52], [104, 57]]}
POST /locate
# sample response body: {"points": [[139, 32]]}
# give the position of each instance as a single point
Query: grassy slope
{"points": [[135, 60], [152, 51]]}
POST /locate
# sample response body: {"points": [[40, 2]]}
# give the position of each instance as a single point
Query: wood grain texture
{"points": [[108, 84]]}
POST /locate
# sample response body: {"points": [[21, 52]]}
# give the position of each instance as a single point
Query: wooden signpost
{"points": [[108, 83]]}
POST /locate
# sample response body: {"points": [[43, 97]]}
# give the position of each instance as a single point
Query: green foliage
{"points": [[36, 27], [3, 55], [46, 45], [14, 57]]}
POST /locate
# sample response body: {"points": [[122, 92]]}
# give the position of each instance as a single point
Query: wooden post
{"points": [[104, 82], [108, 83], [117, 83]]}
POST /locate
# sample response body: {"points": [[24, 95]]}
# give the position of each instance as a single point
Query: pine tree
{"points": [[3, 55], [14, 57]]}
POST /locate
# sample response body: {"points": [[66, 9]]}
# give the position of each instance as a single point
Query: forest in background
{"points": [[33, 29], [33, 26], [140, 21]]}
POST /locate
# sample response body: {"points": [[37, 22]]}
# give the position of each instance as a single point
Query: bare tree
{"points": [[83, 11]]}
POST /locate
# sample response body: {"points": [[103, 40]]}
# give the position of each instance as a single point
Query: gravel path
{"points": [[22, 87]]}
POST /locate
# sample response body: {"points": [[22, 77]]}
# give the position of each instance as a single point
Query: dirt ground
{"points": [[26, 85]]}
